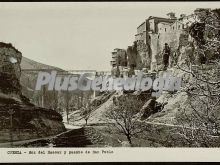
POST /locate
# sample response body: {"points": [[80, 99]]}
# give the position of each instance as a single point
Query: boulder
{"points": [[148, 109]]}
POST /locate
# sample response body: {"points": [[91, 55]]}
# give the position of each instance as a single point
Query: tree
{"points": [[86, 112], [123, 115], [203, 109], [67, 100]]}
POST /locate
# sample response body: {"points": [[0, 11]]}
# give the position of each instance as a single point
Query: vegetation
{"points": [[123, 114], [203, 109]]}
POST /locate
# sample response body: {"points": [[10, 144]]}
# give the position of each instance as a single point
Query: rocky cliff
{"points": [[28, 121], [194, 43], [197, 62], [10, 70]]}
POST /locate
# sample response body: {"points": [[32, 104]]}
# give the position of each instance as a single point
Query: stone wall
{"points": [[154, 32], [174, 38]]}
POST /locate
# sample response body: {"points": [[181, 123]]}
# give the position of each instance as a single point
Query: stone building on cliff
{"points": [[153, 33], [119, 62]]}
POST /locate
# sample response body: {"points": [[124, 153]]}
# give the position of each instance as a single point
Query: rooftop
{"points": [[141, 24], [153, 17]]}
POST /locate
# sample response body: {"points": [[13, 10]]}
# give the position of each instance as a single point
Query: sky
{"points": [[80, 35]]}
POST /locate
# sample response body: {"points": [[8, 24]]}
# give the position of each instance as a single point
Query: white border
{"points": [[118, 155]]}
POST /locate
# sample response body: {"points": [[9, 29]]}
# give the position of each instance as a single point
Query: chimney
{"points": [[171, 15]]}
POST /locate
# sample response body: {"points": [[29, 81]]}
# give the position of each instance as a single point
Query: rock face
{"points": [[145, 54], [28, 121], [10, 70], [172, 105], [148, 108]]}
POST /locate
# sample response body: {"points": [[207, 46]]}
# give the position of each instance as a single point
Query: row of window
{"points": [[179, 27]]}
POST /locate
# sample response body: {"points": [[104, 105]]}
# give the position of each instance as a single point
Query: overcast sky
{"points": [[80, 35]]}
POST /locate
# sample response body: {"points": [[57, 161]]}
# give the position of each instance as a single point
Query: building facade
{"points": [[152, 34]]}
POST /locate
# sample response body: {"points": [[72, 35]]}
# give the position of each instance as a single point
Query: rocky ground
{"points": [[95, 136], [81, 137]]}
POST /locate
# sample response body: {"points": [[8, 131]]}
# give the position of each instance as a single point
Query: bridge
{"points": [[67, 72]]}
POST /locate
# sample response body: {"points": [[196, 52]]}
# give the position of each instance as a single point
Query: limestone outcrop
{"points": [[28, 121], [10, 70], [180, 34]]}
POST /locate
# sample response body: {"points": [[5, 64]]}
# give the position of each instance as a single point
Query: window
{"points": [[173, 27], [179, 27], [165, 29]]}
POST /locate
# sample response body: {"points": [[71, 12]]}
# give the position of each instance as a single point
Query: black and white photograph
{"points": [[109, 75]]}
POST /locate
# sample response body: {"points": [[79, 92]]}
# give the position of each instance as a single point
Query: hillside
{"points": [[188, 50], [27, 63], [29, 121], [28, 79]]}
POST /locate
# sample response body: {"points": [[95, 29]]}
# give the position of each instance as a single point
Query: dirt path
{"points": [[19, 143], [81, 137]]}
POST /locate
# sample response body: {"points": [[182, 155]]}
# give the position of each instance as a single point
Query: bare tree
{"points": [[123, 115], [67, 99], [202, 113], [86, 112]]}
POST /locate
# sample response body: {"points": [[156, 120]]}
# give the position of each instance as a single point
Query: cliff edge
{"points": [[20, 118]]}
